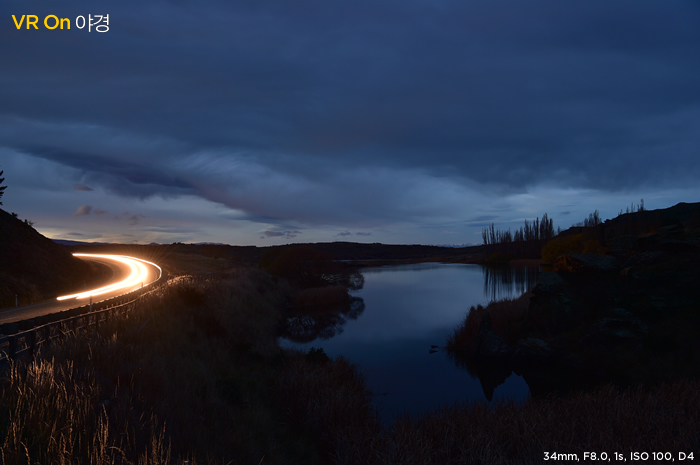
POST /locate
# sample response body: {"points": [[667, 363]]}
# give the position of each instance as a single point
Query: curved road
{"points": [[129, 274]]}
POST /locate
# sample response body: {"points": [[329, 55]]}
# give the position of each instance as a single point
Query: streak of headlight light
{"points": [[138, 274]]}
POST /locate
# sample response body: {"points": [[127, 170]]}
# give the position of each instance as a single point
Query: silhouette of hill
{"points": [[389, 252], [34, 267], [682, 215], [68, 242], [174, 256]]}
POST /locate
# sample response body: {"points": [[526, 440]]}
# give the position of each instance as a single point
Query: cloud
{"points": [[172, 229], [363, 234], [135, 219], [75, 234], [482, 218], [83, 210], [565, 213], [285, 234], [526, 114], [318, 117], [132, 219], [346, 233]]}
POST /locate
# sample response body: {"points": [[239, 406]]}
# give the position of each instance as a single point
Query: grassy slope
{"points": [[29, 264], [189, 374]]}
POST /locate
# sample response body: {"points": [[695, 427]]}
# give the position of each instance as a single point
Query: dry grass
{"points": [[194, 375], [183, 263], [190, 373], [331, 402], [54, 415], [665, 418]]}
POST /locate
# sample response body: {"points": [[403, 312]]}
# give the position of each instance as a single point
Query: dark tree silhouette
{"points": [[526, 242], [2, 188], [593, 220]]}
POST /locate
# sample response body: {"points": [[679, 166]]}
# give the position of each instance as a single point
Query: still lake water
{"points": [[408, 308]]}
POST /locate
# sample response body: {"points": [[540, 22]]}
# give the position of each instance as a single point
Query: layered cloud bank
{"points": [[260, 123]]}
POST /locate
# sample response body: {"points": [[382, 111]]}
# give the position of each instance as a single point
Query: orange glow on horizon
{"points": [[138, 274]]}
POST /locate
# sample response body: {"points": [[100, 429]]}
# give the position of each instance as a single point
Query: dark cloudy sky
{"points": [[397, 121]]}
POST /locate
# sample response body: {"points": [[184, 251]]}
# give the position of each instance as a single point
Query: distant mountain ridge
{"points": [[69, 242]]}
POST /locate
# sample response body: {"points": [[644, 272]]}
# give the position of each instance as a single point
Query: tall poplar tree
{"points": [[2, 188]]}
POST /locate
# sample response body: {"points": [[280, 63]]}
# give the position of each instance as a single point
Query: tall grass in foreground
{"points": [[53, 415], [607, 419], [331, 401], [332, 404], [189, 374]]}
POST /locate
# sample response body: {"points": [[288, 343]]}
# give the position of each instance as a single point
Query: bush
{"points": [[593, 246], [506, 315], [561, 245]]}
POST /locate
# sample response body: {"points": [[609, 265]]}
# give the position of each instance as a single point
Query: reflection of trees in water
{"points": [[321, 321], [505, 281], [490, 376], [499, 283]]}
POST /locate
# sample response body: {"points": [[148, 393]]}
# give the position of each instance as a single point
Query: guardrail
{"points": [[29, 341], [60, 325], [47, 328]]}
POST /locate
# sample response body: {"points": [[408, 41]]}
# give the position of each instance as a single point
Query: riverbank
{"points": [[626, 315], [195, 375]]}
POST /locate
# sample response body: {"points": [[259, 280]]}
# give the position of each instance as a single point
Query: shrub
{"points": [[560, 246], [593, 246], [506, 316]]}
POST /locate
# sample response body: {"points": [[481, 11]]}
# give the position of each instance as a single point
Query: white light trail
{"points": [[138, 274]]}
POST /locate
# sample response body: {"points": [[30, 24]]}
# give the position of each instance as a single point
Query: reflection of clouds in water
{"points": [[508, 282]]}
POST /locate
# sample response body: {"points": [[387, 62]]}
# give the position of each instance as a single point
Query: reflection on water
{"points": [[499, 283], [413, 267], [309, 323], [409, 308], [506, 282], [491, 379]]}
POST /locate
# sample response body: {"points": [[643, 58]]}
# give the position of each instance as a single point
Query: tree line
{"points": [[525, 242]]}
